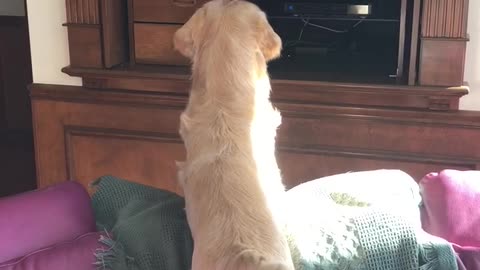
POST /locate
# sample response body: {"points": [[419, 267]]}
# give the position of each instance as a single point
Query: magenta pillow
{"points": [[41, 218], [78, 254], [451, 206]]}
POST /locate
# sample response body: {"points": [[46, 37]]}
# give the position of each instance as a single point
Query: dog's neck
{"points": [[231, 70]]}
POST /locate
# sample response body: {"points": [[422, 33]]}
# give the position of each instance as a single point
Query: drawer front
{"points": [[165, 11], [154, 44]]}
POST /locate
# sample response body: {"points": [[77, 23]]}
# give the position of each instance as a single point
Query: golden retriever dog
{"points": [[230, 178]]}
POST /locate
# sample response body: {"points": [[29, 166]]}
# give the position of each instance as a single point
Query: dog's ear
{"points": [[269, 41], [183, 41], [184, 38]]}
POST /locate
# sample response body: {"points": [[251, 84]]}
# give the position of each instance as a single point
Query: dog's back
{"points": [[230, 178]]}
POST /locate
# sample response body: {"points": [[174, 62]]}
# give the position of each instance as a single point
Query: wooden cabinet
{"points": [[124, 119]]}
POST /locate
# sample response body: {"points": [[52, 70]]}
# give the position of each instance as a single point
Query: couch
{"points": [[54, 228]]}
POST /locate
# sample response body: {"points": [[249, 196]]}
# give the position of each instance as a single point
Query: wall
{"points": [[472, 66], [50, 48], [12, 8], [49, 42]]}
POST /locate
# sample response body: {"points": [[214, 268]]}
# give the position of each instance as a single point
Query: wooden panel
{"points": [[85, 45], [83, 134], [154, 44], [96, 152], [114, 32], [442, 61], [395, 136], [309, 166], [165, 11], [74, 138]]}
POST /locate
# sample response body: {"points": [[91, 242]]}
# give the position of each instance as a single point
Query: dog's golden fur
{"points": [[230, 178]]}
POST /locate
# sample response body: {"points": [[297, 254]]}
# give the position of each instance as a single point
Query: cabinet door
{"points": [[165, 11]]}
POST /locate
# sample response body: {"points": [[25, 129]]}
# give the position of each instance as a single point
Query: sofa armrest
{"points": [[41, 218]]}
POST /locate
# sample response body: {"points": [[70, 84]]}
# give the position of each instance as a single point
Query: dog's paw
{"points": [[179, 164], [180, 172]]}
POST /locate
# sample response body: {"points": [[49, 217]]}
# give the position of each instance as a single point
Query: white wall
{"points": [[49, 45], [48, 41], [12, 8], [472, 66]]}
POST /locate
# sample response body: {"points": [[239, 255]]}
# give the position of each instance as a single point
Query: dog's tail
{"points": [[253, 260]]}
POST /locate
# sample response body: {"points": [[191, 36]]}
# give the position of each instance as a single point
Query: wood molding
{"points": [[175, 80]]}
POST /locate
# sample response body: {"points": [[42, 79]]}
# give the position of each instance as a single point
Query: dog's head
{"points": [[232, 16]]}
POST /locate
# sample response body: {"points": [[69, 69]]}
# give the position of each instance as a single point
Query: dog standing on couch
{"points": [[230, 178]]}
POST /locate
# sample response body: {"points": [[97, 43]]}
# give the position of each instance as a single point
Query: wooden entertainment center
{"points": [[124, 119]]}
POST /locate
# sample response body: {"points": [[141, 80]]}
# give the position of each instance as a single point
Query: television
{"points": [[361, 41]]}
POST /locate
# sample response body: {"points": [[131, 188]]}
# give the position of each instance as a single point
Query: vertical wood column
{"points": [[443, 42]]}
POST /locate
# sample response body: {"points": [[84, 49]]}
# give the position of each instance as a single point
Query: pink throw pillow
{"points": [[451, 206]]}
